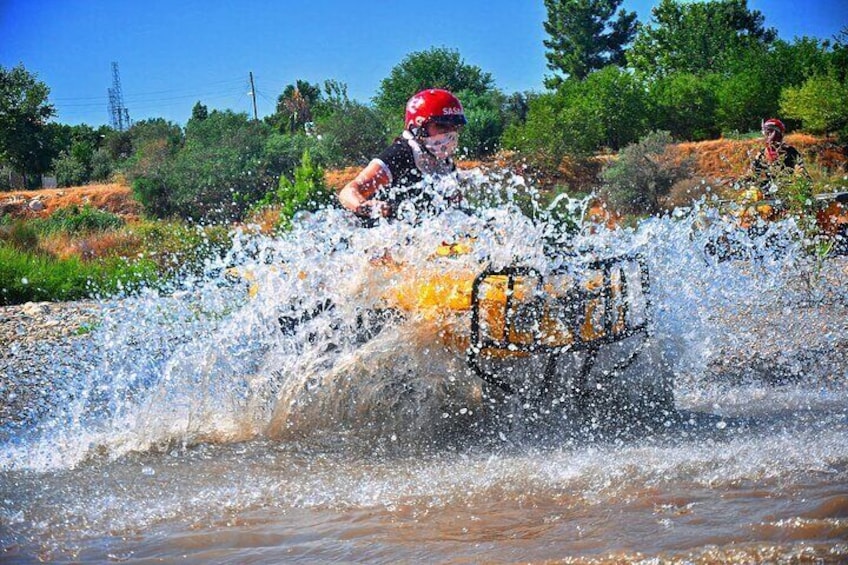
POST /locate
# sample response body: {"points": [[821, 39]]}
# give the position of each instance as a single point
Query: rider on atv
{"points": [[434, 118], [777, 160], [775, 167]]}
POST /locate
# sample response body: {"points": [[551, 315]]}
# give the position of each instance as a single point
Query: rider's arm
{"points": [[358, 195]]}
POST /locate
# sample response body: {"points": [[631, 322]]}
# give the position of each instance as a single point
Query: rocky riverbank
{"points": [[50, 321], [34, 337]]}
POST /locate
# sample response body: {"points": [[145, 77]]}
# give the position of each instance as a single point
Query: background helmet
{"points": [[774, 123], [434, 104]]}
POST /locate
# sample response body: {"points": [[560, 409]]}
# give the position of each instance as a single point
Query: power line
{"points": [[151, 93]]}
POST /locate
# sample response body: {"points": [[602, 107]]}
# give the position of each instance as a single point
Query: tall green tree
{"points": [[295, 107], [697, 37], [435, 68], [585, 37], [821, 104], [24, 111], [199, 112]]}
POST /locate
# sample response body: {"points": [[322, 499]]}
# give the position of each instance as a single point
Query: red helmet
{"points": [[434, 104], [774, 123]]}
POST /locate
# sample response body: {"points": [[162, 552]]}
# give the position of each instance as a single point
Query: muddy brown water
{"points": [[149, 443]]}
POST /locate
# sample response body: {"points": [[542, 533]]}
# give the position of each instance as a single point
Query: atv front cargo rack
{"points": [[515, 312]]}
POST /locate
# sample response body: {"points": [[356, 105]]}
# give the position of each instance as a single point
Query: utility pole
{"points": [[253, 95]]}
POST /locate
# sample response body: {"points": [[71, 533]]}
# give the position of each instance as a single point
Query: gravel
{"points": [[37, 340]]}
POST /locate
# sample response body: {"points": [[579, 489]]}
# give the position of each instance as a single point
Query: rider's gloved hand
{"points": [[373, 209]]}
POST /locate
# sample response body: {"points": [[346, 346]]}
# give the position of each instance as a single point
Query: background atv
{"points": [[822, 219]]}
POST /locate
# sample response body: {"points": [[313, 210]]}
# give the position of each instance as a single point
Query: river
{"points": [[188, 428]]}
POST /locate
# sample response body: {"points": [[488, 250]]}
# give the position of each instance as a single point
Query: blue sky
{"points": [[172, 53]]}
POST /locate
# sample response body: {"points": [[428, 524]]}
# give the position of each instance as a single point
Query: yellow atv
{"points": [[581, 332], [826, 215]]}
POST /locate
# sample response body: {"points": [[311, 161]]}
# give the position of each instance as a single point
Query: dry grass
{"points": [[113, 243], [722, 159], [336, 179], [115, 198]]}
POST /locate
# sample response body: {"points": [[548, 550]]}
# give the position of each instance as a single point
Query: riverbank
{"points": [[32, 337]]}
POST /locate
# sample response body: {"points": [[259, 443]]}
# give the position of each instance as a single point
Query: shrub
{"points": [[219, 173], [643, 175], [481, 135], [307, 192], [607, 109], [352, 134], [153, 195], [179, 249], [821, 104], [74, 220], [685, 105], [69, 170], [19, 234]]}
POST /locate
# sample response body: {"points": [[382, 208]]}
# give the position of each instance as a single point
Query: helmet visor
{"points": [[450, 120]]}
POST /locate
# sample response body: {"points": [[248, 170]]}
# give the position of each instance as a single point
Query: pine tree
{"points": [[584, 37]]}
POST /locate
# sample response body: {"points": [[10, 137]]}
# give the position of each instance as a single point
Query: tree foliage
{"points": [[352, 133], [307, 192], [295, 107], [820, 104], [696, 37], [218, 174], [607, 109], [434, 68], [78, 153], [556, 126], [24, 111], [199, 112], [685, 105], [583, 36]]}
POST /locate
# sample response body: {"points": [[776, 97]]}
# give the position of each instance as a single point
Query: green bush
{"points": [[821, 104], [607, 109], [153, 195], [179, 249], [74, 221], [352, 134], [685, 105], [19, 234], [219, 173], [553, 128], [643, 175], [282, 152], [486, 122], [308, 192], [69, 170]]}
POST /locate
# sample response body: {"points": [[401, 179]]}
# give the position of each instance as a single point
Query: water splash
{"points": [[209, 363]]}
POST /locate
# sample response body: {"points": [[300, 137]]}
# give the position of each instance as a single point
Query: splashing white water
{"points": [[210, 364]]}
